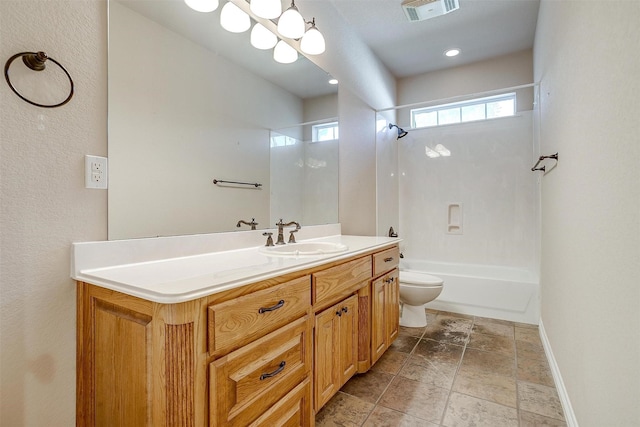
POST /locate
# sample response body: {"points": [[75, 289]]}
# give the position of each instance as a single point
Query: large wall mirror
{"points": [[190, 102]]}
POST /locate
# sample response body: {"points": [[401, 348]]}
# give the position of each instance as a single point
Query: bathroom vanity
{"points": [[221, 344]]}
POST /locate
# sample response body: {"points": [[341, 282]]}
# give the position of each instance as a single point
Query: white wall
{"points": [[166, 146], [587, 63], [505, 71], [45, 207]]}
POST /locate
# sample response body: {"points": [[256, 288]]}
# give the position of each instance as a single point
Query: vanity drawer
{"points": [[247, 382], [241, 320], [385, 260], [293, 410], [328, 286]]}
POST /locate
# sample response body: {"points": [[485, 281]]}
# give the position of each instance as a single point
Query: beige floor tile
{"points": [[468, 411], [368, 386], [489, 362], [438, 374], [534, 371], [404, 344], [530, 350], [453, 330], [493, 327], [390, 362], [529, 335], [525, 325], [440, 352], [412, 332], [539, 399], [385, 417], [528, 419], [492, 343], [344, 410], [486, 385], [411, 397]]}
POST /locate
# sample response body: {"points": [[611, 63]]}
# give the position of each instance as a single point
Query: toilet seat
{"points": [[419, 279]]}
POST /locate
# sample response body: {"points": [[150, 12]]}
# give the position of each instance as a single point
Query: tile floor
{"points": [[458, 371]]}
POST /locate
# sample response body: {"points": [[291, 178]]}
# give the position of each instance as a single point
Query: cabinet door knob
{"points": [[275, 307], [339, 313], [345, 309], [274, 373]]}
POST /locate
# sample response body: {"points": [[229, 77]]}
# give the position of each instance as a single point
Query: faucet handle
{"points": [[269, 238], [292, 238]]}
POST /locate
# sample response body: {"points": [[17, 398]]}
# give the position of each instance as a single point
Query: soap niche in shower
{"points": [[454, 218]]}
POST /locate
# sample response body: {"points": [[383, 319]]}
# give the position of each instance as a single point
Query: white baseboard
{"points": [[569, 415]]}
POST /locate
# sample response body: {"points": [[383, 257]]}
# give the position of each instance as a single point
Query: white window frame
{"points": [[331, 125], [511, 96]]}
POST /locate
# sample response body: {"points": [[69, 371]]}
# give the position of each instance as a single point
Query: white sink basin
{"points": [[304, 249]]}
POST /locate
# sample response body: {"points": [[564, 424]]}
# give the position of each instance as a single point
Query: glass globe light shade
{"points": [[312, 42], [261, 38], [202, 5], [284, 54], [291, 23], [233, 19], [267, 9]]}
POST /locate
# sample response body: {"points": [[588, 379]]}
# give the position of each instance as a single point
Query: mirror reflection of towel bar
{"points": [[253, 184], [551, 156]]}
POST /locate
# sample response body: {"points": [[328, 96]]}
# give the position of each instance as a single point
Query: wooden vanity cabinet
{"points": [[385, 301], [264, 354]]}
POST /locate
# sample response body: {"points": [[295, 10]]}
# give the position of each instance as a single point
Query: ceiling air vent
{"points": [[419, 10]]}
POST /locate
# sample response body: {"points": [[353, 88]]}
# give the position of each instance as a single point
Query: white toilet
{"points": [[417, 289]]}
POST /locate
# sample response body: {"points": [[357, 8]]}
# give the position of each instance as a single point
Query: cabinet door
{"points": [[293, 410], [348, 351], [385, 313], [393, 308], [326, 342]]}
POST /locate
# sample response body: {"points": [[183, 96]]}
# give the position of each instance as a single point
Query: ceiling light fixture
{"points": [[267, 9], [291, 24], [234, 19], [312, 42], [333, 81], [284, 54], [262, 38], [202, 5], [452, 52]]}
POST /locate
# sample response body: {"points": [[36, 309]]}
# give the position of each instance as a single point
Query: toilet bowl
{"points": [[417, 289]]}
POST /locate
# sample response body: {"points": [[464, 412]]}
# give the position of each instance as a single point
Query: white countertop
{"points": [[179, 279]]}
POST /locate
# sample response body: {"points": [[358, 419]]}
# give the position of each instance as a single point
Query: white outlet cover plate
{"points": [[95, 172]]}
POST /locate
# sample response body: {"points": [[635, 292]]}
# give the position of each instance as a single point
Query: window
{"points": [[278, 140], [467, 111], [325, 132]]}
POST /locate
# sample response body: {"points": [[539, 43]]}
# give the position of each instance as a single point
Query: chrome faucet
{"points": [[281, 225], [253, 223]]}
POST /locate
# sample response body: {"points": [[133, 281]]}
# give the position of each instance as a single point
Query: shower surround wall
{"points": [[473, 211], [489, 175]]}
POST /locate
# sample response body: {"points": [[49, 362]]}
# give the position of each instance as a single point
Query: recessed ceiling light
{"points": [[333, 81], [452, 52]]}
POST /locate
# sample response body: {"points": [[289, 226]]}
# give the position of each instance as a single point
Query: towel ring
{"points": [[36, 62]]}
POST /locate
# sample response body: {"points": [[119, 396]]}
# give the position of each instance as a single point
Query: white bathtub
{"points": [[483, 290]]}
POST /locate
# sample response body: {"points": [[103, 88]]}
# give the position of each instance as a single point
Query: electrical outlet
{"points": [[95, 172]]}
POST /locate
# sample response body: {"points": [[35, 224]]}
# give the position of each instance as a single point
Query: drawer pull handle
{"points": [[275, 307], [388, 259], [274, 373]]}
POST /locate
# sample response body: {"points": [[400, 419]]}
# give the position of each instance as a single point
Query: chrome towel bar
{"points": [[253, 184]]}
